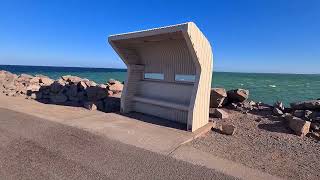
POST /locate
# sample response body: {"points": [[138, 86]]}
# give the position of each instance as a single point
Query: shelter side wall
{"points": [[135, 73], [203, 52]]}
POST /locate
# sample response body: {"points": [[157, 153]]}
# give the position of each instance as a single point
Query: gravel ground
{"points": [[264, 142]]}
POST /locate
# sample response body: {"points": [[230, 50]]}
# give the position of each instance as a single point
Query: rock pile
{"points": [[309, 113], [68, 90], [235, 99], [302, 117]]}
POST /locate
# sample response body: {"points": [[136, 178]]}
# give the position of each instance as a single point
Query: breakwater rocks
{"points": [[303, 118], [68, 90]]}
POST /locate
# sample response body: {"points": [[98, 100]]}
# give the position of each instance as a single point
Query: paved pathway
{"points": [[34, 148], [39, 140]]}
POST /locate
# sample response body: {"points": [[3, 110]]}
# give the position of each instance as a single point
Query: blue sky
{"points": [[246, 35]]}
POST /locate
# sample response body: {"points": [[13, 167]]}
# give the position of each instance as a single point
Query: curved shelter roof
{"points": [[172, 50]]}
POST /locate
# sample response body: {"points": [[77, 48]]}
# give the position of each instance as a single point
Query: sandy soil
{"points": [[264, 142]]}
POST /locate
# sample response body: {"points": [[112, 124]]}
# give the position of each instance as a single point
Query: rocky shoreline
{"points": [[67, 90], [303, 118]]}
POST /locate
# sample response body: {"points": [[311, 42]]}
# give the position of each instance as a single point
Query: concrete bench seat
{"points": [[168, 104]]}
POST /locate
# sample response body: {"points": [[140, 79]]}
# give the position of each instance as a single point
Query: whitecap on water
{"points": [[273, 86]]}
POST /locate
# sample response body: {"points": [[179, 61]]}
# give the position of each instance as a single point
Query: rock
{"points": [[72, 103], [11, 93], [233, 106], [36, 95], [35, 80], [113, 81], [238, 95], [25, 76], [71, 79], [90, 105], [306, 105], [103, 86], [217, 97], [101, 93], [82, 85], [247, 105], [72, 90], [89, 83], [111, 104], [110, 93], [92, 93], [33, 87], [74, 98], [277, 112], [58, 98], [56, 86], [279, 105], [315, 127], [299, 126], [307, 114], [298, 113], [228, 129], [116, 88], [96, 93], [218, 113], [315, 135], [100, 105], [46, 81]]}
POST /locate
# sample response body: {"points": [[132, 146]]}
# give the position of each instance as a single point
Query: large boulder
{"points": [[228, 129], [25, 77], [276, 111], [82, 85], [217, 97], [7, 79], [116, 87], [35, 80], [218, 113], [95, 93], [238, 95], [279, 105], [45, 80], [72, 90], [71, 79], [58, 98], [306, 105], [33, 87], [111, 104], [113, 81], [299, 126], [56, 86]]}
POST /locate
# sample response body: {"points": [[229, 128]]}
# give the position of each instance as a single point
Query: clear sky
{"points": [[246, 35]]}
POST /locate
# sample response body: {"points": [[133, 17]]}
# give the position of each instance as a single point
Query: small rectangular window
{"points": [[185, 78], [156, 76]]}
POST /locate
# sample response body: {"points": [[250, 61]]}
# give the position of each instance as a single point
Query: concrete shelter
{"points": [[169, 73]]}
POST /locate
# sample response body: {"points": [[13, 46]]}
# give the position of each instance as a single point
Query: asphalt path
{"points": [[35, 148]]}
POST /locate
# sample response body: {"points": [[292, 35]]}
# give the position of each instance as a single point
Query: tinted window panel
{"points": [[185, 78], [157, 76]]}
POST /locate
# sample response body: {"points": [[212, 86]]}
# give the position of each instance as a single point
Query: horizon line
{"points": [[240, 72]]}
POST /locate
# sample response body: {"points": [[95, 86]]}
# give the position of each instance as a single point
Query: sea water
{"points": [[263, 87]]}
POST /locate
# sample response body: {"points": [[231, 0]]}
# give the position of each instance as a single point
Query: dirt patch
{"points": [[264, 142]]}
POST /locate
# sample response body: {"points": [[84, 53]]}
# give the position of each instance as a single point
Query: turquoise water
{"points": [[267, 88]]}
